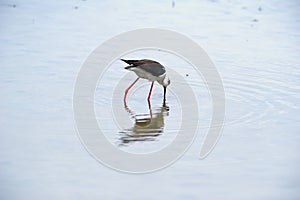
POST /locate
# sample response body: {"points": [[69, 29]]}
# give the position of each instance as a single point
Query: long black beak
{"points": [[165, 91]]}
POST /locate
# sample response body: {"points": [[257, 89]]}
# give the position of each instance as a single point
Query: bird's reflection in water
{"points": [[147, 127]]}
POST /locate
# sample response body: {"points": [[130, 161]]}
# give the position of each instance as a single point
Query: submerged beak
{"points": [[165, 91]]}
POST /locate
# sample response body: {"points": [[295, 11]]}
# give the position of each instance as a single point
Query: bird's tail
{"points": [[129, 67], [130, 62]]}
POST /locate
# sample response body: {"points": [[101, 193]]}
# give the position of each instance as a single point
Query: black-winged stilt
{"points": [[148, 69]]}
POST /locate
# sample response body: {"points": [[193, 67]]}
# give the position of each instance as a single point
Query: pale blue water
{"points": [[255, 47]]}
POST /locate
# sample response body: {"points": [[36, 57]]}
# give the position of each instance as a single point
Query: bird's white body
{"points": [[146, 75]]}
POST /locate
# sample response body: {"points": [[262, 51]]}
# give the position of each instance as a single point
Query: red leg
{"points": [[149, 95], [150, 109], [126, 91]]}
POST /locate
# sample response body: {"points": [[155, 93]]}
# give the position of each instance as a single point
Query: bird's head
{"points": [[166, 81]]}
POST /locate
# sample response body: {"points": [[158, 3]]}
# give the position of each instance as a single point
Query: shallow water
{"points": [[254, 46]]}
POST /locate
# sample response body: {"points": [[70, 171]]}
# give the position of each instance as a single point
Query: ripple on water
{"points": [[258, 96]]}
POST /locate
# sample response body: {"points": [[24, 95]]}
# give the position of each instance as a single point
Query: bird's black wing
{"points": [[155, 69]]}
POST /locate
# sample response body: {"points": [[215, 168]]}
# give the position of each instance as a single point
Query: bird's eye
{"points": [[169, 82]]}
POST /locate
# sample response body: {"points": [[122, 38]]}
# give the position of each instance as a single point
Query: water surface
{"points": [[255, 47]]}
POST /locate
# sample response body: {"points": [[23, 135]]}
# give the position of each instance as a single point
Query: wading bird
{"points": [[151, 70]]}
